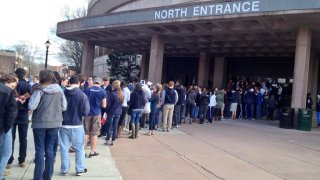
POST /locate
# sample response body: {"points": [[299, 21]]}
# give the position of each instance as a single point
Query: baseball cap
{"points": [[97, 80]]}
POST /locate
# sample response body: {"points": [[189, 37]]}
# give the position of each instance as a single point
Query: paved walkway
{"points": [[226, 150]]}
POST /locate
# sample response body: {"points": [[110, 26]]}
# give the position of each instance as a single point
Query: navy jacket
{"points": [[114, 105], [8, 108], [78, 106], [22, 88], [137, 100]]}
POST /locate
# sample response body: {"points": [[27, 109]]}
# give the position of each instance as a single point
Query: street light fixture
{"points": [[47, 46]]}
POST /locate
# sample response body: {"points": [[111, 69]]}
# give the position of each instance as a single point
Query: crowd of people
{"points": [[72, 112]]}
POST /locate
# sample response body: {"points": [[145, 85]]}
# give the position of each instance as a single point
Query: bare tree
{"points": [[30, 54], [71, 51]]}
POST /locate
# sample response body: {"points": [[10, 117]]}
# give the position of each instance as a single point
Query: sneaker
{"points": [[71, 150], [8, 166], [22, 164], [64, 174], [100, 135], [94, 154], [178, 125], [81, 173]]}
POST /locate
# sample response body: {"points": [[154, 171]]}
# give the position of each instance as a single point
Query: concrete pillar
{"points": [[313, 77], [218, 73], [87, 59], [301, 68], [203, 70], [156, 59], [144, 66]]}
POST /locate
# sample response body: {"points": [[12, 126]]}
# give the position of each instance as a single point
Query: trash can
{"points": [[305, 119], [286, 118]]}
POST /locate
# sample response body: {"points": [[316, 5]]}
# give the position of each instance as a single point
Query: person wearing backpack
{"points": [[169, 99]]}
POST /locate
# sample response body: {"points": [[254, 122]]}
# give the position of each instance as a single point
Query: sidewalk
{"points": [[235, 150], [100, 167]]}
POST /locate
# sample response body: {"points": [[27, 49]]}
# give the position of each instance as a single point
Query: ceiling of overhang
{"points": [[255, 36]]}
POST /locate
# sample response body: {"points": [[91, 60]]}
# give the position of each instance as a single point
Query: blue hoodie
{"points": [[114, 105], [78, 106]]}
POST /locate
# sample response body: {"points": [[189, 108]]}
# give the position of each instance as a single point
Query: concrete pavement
{"points": [[228, 149]]}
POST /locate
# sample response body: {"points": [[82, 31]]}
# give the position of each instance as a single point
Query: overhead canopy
{"points": [[236, 28]]}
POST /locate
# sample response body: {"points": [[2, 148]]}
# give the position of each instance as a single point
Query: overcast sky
{"points": [[31, 20]]}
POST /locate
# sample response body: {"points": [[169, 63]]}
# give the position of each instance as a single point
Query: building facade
{"points": [[208, 41]]}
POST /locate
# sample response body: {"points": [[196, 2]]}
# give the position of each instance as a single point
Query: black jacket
{"points": [[8, 108], [22, 88]]}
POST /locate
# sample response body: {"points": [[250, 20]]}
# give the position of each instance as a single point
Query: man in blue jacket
{"points": [[72, 131]]}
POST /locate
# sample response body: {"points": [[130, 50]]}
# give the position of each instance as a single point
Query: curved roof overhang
{"points": [[263, 33]]}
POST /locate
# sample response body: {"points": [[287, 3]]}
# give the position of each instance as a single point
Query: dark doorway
{"points": [[256, 68], [182, 68]]}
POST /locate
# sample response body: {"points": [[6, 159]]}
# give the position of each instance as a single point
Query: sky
{"points": [[31, 20]]}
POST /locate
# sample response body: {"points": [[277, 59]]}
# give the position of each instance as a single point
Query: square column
{"points": [[219, 72], [87, 58], [156, 59], [313, 77], [144, 66], [301, 68], [203, 70]]}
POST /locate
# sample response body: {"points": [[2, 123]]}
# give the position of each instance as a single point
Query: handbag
{"points": [[147, 108]]}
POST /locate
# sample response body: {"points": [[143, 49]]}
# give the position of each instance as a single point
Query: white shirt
{"points": [[213, 101], [126, 94]]}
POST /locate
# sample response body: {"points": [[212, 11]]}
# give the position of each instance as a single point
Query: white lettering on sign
{"points": [[171, 13], [209, 10]]}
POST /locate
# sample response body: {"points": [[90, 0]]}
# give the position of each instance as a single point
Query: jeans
{"points": [[195, 111], [202, 113], [153, 117], [210, 113], [318, 117], [44, 139], [249, 108], [136, 115], [189, 109], [5, 150], [23, 132], [258, 111], [113, 121], [177, 115], [74, 137]]}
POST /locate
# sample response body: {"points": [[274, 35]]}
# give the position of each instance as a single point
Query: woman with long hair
{"points": [[47, 103], [155, 98], [114, 111]]}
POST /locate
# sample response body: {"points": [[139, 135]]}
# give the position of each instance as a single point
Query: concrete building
{"points": [[208, 41], [9, 61]]}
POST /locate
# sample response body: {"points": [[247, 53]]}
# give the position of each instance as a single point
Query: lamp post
{"points": [[47, 46]]}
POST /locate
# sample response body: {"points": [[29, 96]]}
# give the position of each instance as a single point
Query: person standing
{"points": [[309, 102], [234, 104], [47, 103], [108, 88], [154, 101], [177, 108], [72, 131], [169, 99], [122, 120], [137, 102], [8, 114], [22, 121], [92, 122], [114, 111], [212, 106], [203, 105]]}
